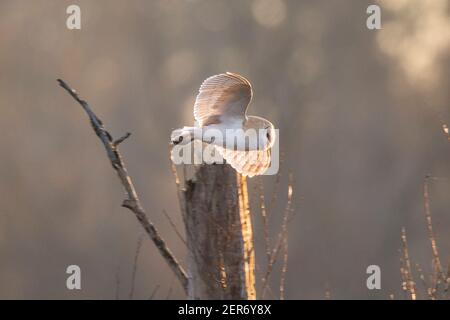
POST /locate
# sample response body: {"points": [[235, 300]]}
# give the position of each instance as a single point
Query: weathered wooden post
{"points": [[219, 235]]}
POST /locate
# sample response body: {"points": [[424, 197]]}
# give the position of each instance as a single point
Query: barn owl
{"points": [[220, 111]]}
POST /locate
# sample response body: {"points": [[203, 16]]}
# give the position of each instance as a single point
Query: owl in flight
{"points": [[221, 107]]}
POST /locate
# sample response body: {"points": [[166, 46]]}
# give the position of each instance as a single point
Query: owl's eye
{"points": [[268, 135]]}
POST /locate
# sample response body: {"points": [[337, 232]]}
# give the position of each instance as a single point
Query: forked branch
{"points": [[132, 201]]}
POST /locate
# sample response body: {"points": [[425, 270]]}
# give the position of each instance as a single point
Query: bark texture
{"points": [[219, 235]]}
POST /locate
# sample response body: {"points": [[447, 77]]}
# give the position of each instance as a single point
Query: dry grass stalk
{"points": [[285, 237], [274, 197], [431, 235], [264, 217], [135, 265], [281, 240], [117, 295], [152, 296], [409, 285], [423, 280], [284, 267], [438, 285]]}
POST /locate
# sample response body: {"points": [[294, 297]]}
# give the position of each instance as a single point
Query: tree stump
{"points": [[221, 258]]}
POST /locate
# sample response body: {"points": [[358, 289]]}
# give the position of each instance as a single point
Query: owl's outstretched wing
{"points": [[222, 98], [247, 163]]}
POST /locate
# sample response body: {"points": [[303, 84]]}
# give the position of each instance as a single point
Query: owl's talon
{"points": [[180, 139]]}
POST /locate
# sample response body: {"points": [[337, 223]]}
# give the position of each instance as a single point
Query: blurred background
{"points": [[360, 115]]}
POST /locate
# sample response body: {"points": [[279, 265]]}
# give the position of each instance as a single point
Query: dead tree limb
{"points": [[132, 201]]}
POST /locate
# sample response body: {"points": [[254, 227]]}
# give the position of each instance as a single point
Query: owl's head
{"points": [[267, 136], [265, 131]]}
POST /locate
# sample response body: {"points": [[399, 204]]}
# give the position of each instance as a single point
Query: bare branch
{"points": [[132, 202], [121, 139]]}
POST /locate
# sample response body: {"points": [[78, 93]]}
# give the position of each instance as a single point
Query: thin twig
{"points": [[410, 285], [431, 235], [174, 227], [268, 287], [285, 238], [276, 188], [169, 292], [135, 265], [284, 267], [154, 292], [117, 283], [447, 281], [132, 202], [263, 211], [423, 280], [273, 259], [121, 139], [279, 246]]}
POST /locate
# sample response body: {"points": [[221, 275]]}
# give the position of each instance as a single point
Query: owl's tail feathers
{"points": [[182, 136]]}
